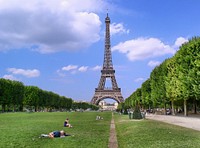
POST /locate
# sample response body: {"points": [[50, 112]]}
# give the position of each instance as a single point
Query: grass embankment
{"points": [[23, 130], [153, 134]]}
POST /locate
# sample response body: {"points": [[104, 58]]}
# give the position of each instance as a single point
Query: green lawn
{"points": [[23, 130], [153, 134]]}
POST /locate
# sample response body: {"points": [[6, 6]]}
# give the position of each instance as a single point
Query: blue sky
{"points": [[58, 45]]}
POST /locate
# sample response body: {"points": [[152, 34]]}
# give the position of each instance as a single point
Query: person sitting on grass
{"points": [[56, 134], [66, 123], [99, 117]]}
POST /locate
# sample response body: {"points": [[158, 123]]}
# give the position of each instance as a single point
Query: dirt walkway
{"points": [[113, 138], [188, 122]]}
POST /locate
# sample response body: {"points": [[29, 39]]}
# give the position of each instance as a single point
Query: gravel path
{"points": [[188, 122], [113, 138]]}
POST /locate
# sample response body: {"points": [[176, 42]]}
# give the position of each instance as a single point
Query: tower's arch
{"points": [[104, 94]]}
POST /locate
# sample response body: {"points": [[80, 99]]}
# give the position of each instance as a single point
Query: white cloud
{"points": [[143, 48], [70, 67], [117, 28], [179, 41], [139, 79], [60, 73], [73, 69], [49, 26], [96, 68], [153, 63], [11, 77], [27, 73], [83, 68]]}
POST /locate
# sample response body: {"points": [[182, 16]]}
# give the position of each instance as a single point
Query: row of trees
{"points": [[16, 96], [83, 106], [174, 83]]}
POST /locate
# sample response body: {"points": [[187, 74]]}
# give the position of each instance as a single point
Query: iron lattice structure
{"points": [[107, 72]]}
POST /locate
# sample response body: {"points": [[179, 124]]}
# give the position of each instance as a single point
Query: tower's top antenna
{"points": [[107, 12], [107, 18]]}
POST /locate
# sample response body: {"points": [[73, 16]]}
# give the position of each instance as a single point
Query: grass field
{"points": [[154, 134], [23, 130]]}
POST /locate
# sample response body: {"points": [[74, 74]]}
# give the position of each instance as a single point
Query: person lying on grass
{"points": [[56, 134]]}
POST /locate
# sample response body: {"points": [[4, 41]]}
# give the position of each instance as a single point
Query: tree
{"points": [[155, 86], [162, 79], [31, 96], [17, 93], [146, 93], [188, 65], [6, 95]]}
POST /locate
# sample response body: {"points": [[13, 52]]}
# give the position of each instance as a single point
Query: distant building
{"points": [[108, 106]]}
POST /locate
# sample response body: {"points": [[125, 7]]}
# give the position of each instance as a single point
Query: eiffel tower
{"points": [[107, 72]]}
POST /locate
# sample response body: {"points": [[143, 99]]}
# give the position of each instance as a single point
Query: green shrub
{"points": [[136, 113]]}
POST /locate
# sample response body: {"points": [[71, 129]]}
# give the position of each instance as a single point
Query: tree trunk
{"points": [[3, 107], [195, 106], [14, 108], [185, 108], [21, 108], [173, 112], [164, 108]]}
